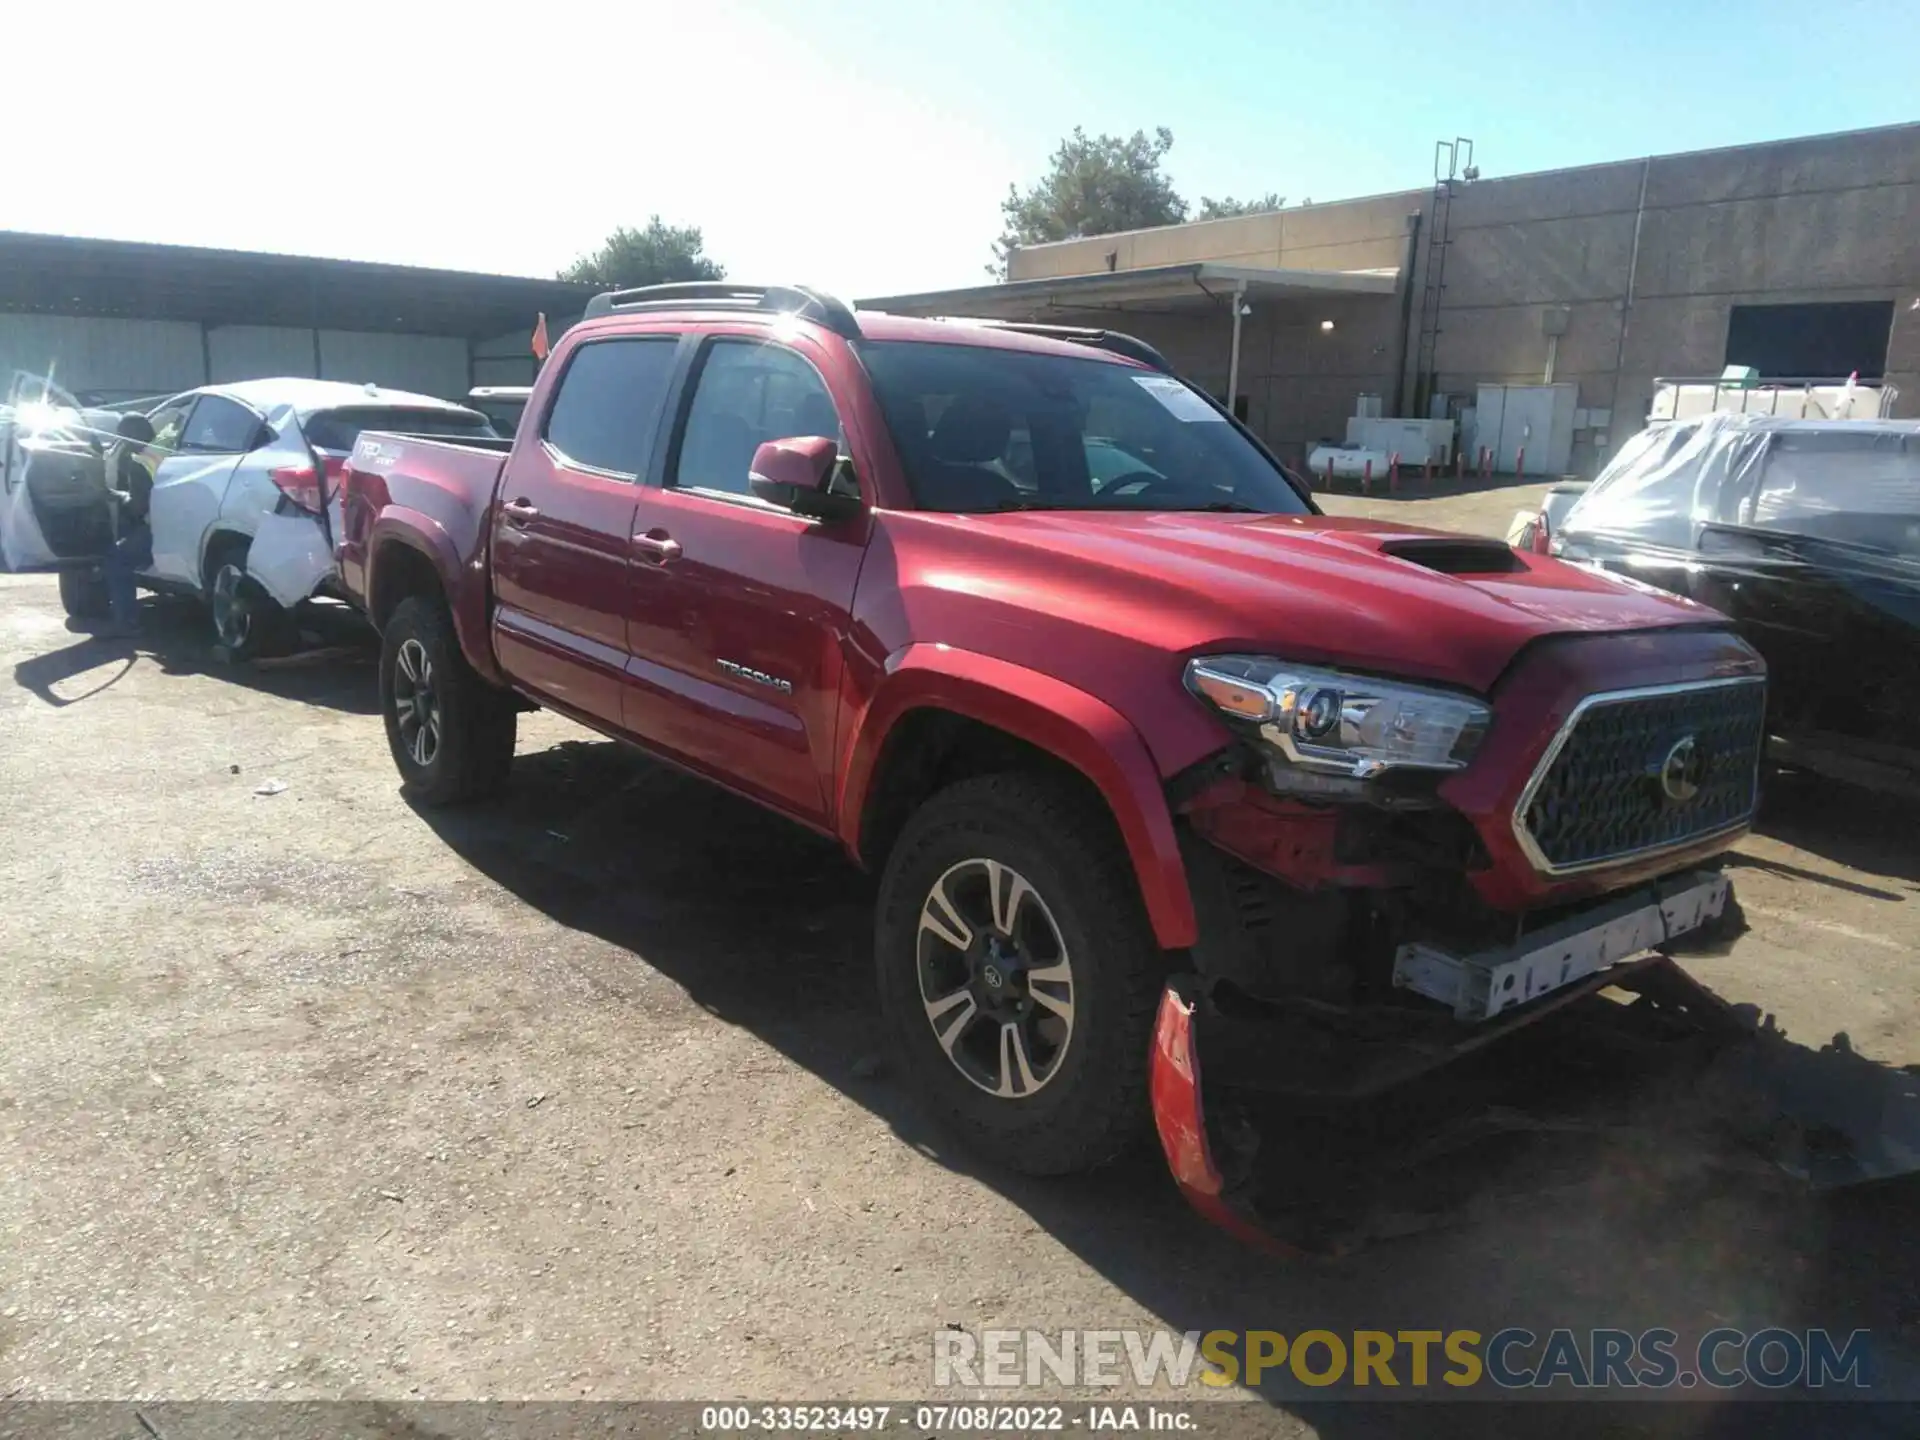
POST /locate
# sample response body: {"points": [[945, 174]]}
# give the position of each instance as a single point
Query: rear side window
{"points": [[340, 429], [1859, 487], [608, 408], [219, 426]]}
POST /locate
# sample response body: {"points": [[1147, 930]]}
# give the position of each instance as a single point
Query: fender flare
{"points": [[1068, 723], [427, 537]]}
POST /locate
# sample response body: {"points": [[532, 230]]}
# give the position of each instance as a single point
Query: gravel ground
{"points": [[305, 1094]]}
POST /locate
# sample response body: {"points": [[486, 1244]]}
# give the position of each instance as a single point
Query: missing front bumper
{"points": [[1482, 985]]}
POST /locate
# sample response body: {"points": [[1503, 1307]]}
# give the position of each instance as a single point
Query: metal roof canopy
{"points": [[1156, 290], [1159, 289], [67, 275]]}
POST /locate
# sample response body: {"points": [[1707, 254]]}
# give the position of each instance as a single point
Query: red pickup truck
{"points": [[1054, 645]]}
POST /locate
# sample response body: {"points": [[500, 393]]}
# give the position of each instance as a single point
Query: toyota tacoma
{"points": [[1129, 731]]}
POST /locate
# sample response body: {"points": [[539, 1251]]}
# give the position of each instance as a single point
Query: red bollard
{"points": [[1393, 472], [1426, 472], [1486, 462], [1366, 477], [1459, 466], [1520, 463]]}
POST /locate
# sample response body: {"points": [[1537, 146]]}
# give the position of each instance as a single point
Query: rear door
{"points": [[740, 607], [563, 524], [195, 463]]}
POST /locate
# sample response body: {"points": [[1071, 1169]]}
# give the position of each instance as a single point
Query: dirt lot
{"points": [[306, 1094]]}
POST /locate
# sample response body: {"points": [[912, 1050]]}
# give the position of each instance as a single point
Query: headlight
{"points": [[1342, 724]]}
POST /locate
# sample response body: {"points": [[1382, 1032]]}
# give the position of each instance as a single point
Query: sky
{"points": [[859, 145]]}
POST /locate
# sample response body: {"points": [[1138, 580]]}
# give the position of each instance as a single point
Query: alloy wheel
{"points": [[416, 704], [232, 615], [995, 978]]}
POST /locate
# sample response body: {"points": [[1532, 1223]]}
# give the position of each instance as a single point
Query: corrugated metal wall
{"points": [[508, 359], [251, 352], [158, 357], [130, 357], [430, 364]]}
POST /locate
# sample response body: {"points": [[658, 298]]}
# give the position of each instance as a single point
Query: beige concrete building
{"points": [[1800, 257]]}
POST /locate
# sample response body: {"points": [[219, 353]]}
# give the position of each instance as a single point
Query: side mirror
{"points": [[799, 474]]}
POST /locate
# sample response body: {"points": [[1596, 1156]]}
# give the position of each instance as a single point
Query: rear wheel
{"points": [[83, 593], [451, 733], [1018, 975], [248, 623]]}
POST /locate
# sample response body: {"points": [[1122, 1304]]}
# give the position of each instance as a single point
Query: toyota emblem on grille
{"points": [[1681, 771]]}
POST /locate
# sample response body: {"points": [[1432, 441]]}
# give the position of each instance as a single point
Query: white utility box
{"points": [[1536, 419]]}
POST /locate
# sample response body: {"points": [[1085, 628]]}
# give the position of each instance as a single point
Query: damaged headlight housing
{"points": [[1332, 723]]}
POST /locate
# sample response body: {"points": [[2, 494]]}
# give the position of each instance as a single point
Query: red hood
{"points": [[1309, 587]]}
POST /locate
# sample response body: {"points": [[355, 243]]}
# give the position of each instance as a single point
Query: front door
{"points": [[197, 445], [54, 508], [563, 525], [740, 607]]}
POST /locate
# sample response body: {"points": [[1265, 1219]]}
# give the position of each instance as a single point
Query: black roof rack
{"points": [[726, 295], [1114, 341]]}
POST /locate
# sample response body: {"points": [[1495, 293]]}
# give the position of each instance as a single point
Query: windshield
{"points": [[340, 429], [981, 428]]}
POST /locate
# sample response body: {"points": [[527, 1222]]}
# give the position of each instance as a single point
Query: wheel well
{"points": [[218, 545], [399, 573], [928, 750]]}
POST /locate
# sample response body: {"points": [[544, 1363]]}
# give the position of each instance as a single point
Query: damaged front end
{"points": [[1435, 965]]}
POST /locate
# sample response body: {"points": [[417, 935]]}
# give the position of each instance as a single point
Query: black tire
{"points": [[1090, 1104], [84, 594], [472, 722], [248, 623]]}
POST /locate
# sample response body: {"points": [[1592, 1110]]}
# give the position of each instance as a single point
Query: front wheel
{"points": [[83, 594], [1018, 975], [451, 733]]}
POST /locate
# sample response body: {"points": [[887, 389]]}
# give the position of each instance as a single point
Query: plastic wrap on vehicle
{"points": [[1857, 482]]}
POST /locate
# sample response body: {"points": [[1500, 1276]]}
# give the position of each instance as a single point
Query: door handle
{"points": [[519, 512], [657, 546]]}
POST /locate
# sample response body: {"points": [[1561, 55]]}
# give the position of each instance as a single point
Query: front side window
{"points": [[1669, 480], [607, 411], [168, 421], [982, 428], [219, 426], [749, 393]]}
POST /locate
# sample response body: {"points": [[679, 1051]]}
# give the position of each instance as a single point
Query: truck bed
{"points": [[443, 487]]}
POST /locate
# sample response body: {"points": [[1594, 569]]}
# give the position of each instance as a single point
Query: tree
{"points": [[653, 256], [1094, 185], [1227, 208]]}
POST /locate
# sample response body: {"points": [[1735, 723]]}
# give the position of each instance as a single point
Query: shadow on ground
{"points": [[334, 666], [769, 929], [1872, 833]]}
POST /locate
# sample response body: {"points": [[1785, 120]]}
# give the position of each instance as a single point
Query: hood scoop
{"points": [[1455, 554]]}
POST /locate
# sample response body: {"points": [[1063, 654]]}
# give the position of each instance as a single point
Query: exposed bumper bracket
{"points": [[1481, 985]]}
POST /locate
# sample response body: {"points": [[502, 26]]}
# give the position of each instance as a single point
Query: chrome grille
{"points": [[1619, 781]]}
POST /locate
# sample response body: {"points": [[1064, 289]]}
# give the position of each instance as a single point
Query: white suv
{"points": [[244, 508]]}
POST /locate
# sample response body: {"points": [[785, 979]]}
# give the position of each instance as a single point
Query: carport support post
{"points": [[1233, 359]]}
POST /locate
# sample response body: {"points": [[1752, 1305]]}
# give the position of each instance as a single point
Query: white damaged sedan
{"points": [[244, 507]]}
